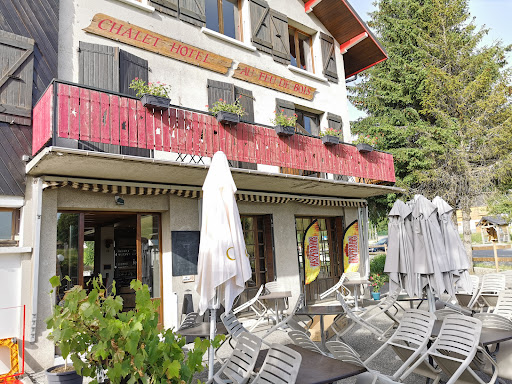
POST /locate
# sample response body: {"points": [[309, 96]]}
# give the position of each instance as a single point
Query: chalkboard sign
{"points": [[185, 251]]}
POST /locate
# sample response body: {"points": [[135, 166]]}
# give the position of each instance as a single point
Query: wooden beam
{"points": [[491, 259], [353, 41]]}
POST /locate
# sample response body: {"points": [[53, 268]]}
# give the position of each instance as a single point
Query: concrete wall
{"points": [[188, 81]]}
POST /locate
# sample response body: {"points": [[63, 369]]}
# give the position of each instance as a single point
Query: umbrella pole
{"points": [[211, 350], [431, 300]]}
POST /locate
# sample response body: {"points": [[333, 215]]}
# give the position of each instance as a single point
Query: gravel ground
{"points": [[359, 339]]}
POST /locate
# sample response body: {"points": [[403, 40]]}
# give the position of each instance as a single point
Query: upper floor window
{"points": [[300, 49], [308, 122], [223, 16]]}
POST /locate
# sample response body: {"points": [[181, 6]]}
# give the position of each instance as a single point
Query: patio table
{"points": [[320, 310], [356, 283], [276, 296], [316, 368], [202, 330]]}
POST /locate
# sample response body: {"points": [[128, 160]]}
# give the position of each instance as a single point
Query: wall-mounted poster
{"points": [[351, 254], [311, 249]]}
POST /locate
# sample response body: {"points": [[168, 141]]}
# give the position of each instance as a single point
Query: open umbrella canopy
{"points": [[223, 265]]}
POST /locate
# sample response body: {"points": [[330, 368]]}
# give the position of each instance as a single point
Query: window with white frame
{"points": [[223, 16]]}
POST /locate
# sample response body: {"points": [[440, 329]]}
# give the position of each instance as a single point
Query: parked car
{"points": [[379, 245]]}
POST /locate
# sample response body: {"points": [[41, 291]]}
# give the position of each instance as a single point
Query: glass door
{"points": [[330, 253]]}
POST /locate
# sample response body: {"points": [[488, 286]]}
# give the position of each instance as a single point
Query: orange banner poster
{"points": [[312, 252], [351, 248]]}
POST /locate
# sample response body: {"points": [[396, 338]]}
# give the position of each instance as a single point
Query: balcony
{"points": [[70, 113]]}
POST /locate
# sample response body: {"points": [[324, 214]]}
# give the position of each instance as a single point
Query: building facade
{"points": [[114, 187]]}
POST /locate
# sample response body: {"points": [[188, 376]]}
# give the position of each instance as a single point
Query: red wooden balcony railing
{"points": [[81, 113]]}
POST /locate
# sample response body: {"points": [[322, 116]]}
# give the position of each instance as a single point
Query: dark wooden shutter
{"points": [[168, 7], [260, 25], [247, 102], [16, 78], [130, 67], [193, 12], [329, 58], [269, 247], [280, 39], [218, 90], [287, 107], [98, 66], [334, 121]]}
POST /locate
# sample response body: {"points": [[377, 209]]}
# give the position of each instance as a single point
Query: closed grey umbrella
{"points": [[457, 257], [430, 256], [400, 249]]}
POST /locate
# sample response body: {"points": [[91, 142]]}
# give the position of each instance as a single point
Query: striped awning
{"points": [[122, 188]]}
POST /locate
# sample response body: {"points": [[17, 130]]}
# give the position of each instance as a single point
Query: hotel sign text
{"points": [[266, 79], [112, 28]]}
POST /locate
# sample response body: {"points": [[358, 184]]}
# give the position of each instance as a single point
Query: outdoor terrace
{"points": [[69, 113]]}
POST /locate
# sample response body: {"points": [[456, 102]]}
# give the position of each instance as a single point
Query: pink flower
{"points": [[136, 78]]}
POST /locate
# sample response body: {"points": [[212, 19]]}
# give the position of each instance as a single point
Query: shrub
{"points": [[93, 330], [377, 265]]}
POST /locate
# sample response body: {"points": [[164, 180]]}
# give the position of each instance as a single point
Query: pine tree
{"points": [[440, 103]]}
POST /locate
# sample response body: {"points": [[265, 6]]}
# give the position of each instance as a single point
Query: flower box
{"points": [[364, 148], [156, 102], [225, 117], [285, 130], [330, 140]]}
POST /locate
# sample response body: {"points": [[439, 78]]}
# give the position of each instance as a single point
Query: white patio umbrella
{"points": [[223, 265]]}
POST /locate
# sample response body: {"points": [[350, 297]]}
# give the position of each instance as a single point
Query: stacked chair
{"points": [[504, 304], [281, 365], [454, 350], [379, 333], [255, 305], [487, 296]]}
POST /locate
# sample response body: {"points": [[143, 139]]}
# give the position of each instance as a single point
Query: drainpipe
{"points": [[37, 196]]}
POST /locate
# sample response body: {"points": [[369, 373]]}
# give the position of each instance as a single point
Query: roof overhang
{"points": [[345, 25], [64, 162]]}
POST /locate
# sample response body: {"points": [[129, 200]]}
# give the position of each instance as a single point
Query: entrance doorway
{"points": [[258, 242], [330, 244], [119, 246]]}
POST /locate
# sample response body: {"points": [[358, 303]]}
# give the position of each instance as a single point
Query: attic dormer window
{"points": [[223, 16]]}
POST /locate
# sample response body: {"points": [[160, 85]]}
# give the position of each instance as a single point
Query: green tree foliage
{"points": [[441, 102]]}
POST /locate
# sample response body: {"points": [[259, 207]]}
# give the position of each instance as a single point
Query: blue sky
{"points": [[495, 14]]}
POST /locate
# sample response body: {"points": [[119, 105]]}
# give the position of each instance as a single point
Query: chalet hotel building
{"points": [[92, 181]]}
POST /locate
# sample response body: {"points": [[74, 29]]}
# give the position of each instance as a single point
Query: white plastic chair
{"points": [[190, 321], [442, 313], [454, 349], [274, 286], [302, 340], [338, 287], [409, 341], [281, 366], [289, 322], [466, 298], [492, 285], [385, 307], [256, 306], [379, 333], [240, 365], [508, 279], [504, 304]]}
